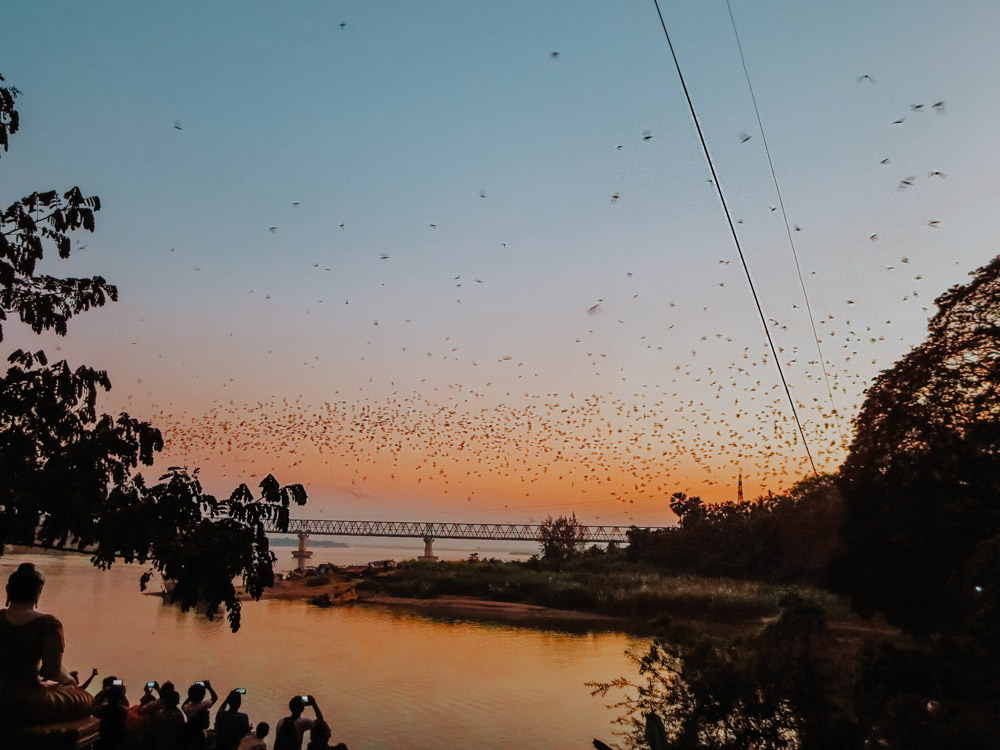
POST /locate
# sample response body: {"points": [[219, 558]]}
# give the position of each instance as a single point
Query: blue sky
{"points": [[396, 122]]}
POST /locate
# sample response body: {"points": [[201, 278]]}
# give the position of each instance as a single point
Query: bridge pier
{"points": [[428, 555], [301, 554]]}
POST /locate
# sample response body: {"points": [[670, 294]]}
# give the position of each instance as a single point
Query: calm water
{"points": [[383, 678]]}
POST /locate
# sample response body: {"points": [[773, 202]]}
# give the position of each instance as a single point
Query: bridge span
{"points": [[429, 531]]}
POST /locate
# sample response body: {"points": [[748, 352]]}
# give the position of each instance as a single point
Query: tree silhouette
{"points": [[767, 690], [787, 537], [69, 476], [560, 538], [922, 481]]}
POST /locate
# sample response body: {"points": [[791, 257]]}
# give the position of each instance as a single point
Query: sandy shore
{"points": [[297, 590], [470, 608], [449, 607]]}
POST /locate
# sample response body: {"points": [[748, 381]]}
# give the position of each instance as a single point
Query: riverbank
{"points": [[632, 593], [444, 607], [511, 613], [628, 599]]}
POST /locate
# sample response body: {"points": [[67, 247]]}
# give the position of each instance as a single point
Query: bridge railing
{"points": [[449, 530]]}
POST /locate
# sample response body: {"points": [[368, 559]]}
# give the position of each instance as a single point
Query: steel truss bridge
{"points": [[447, 530]]}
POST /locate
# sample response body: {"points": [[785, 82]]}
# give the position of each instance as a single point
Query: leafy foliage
{"points": [[70, 476], [9, 120], [788, 537], [43, 302], [940, 695], [922, 481], [561, 538], [766, 691]]}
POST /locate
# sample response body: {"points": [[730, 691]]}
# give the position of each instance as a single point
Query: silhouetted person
{"points": [[106, 684], [319, 738], [255, 740], [168, 720], [112, 710], [139, 720], [196, 709], [86, 683], [142, 720], [284, 736], [34, 687], [231, 724]]}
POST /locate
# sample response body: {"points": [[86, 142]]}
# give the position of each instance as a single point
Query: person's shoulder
{"points": [[305, 722]]}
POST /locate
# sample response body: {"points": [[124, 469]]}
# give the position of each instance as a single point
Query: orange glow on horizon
{"points": [[596, 459]]}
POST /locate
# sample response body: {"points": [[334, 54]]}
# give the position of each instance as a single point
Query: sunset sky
{"points": [[406, 255]]}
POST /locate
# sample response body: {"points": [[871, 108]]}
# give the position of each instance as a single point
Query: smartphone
{"points": [[201, 683], [241, 691], [150, 684], [304, 698], [117, 683]]}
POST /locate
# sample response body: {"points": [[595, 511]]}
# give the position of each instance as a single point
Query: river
{"points": [[383, 678]]}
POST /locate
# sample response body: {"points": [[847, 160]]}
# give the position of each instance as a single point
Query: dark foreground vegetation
{"points": [[908, 529]]}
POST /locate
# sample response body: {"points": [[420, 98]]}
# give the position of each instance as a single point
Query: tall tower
{"points": [[739, 488]]}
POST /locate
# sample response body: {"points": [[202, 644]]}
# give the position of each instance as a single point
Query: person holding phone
{"points": [[290, 730], [168, 726], [138, 718], [86, 683], [196, 709], [231, 724], [112, 711]]}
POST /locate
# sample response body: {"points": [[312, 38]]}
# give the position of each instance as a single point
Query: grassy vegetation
{"points": [[624, 589]]}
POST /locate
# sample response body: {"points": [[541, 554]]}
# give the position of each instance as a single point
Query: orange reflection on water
{"points": [[384, 679]]}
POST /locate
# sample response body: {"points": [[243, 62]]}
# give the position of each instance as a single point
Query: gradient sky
{"points": [[461, 377]]}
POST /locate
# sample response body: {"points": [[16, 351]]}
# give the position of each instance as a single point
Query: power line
{"points": [[788, 231], [736, 239]]}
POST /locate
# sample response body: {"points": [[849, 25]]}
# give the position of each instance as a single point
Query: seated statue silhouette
{"points": [[34, 687]]}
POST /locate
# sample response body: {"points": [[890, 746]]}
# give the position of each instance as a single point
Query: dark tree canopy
{"points": [[43, 302], [789, 537], [560, 538], [767, 690], [922, 481], [69, 473]]}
